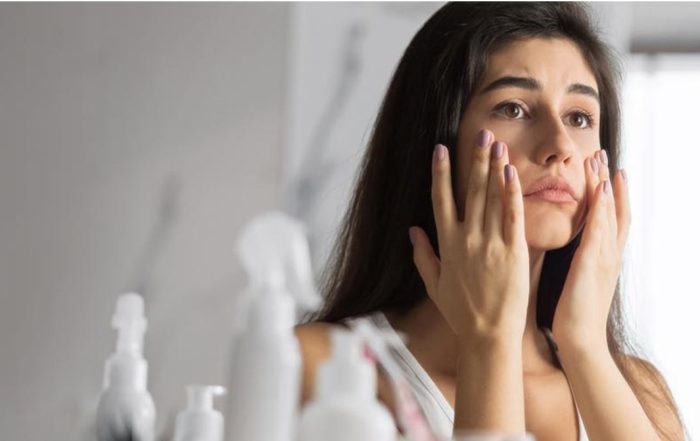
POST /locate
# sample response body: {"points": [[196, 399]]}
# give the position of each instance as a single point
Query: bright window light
{"points": [[661, 152]]}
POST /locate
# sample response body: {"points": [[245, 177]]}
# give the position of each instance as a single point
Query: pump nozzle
{"points": [[200, 422], [202, 397], [274, 250], [347, 371], [346, 346], [130, 322]]}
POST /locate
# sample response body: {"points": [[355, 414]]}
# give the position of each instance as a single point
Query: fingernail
{"points": [[484, 138], [497, 150], [411, 236], [439, 152], [604, 156], [606, 186], [594, 165], [510, 174]]}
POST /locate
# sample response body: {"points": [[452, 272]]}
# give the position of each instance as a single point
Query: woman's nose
{"points": [[555, 144]]}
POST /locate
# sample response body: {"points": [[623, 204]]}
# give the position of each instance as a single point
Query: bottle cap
{"points": [[200, 421]]}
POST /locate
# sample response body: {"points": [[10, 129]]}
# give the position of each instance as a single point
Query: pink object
{"points": [[368, 354]]}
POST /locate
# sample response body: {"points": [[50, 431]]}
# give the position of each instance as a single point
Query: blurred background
{"points": [[136, 139]]}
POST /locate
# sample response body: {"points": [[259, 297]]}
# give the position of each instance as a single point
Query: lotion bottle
{"points": [[345, 406]]}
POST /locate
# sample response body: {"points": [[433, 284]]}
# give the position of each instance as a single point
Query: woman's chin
{"points": [[546, 236], [548, 228]]}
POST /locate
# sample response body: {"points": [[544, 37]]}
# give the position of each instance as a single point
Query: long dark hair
{"points": [[372, 267]]}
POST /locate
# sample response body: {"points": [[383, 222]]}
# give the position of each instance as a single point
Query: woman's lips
{"points": [[552, 195], [551, 188]]}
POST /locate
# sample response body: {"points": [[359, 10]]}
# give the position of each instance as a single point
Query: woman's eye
{"points": [[581, 120], [511, 110]]}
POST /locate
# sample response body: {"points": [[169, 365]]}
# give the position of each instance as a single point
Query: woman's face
{"points": [[540, 98]]}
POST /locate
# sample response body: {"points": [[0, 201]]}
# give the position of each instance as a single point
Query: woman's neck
{"points": [[433, 343]]}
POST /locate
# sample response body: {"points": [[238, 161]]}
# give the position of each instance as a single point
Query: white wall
{"points": [[342, 56], [99, 105]]}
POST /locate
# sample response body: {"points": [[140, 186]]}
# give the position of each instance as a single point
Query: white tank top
{"points": [[437, 410]]}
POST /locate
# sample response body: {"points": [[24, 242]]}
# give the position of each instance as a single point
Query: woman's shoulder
{"points": [[314, 337]]}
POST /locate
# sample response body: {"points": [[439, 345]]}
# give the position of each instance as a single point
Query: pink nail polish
{"points": [[484, 138], [594, 165], [606, 186], [439, 152], [509, 172], [497, 150], [604, 157]]}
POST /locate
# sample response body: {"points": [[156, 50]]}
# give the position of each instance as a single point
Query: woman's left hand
{"points": [[581, 315]]}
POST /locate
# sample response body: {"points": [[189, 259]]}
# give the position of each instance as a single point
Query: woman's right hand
{"points": [[480, 282]]}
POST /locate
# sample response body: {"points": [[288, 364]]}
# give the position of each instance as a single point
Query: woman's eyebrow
{"points": [[532, 84]]}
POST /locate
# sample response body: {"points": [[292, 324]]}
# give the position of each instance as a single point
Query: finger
{"points": [[441, 193], [602, 155], [426, 261], [592, 167], [610, 214], [622, 208], [493, 216], [514, 219], [477, 184], [596, 219], [592, 170]]}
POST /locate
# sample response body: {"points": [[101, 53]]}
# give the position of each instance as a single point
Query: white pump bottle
{"points": [[345, 406], [126, 410], [266, 362], [200, 422]]}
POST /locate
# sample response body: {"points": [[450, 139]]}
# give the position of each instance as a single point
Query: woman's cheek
{"points": [[508, 131], [588, 141]]}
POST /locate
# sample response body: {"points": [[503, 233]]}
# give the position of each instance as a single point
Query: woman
{"points": [[497, 148]]}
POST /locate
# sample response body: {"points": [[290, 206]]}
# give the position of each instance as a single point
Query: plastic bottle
{"points": [[345, 406], [125, 410], [199, 421], [266, 361]]}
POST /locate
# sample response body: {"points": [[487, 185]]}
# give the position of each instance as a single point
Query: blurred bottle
{"points": [[345, 406], [266, 362], [126, 410]]}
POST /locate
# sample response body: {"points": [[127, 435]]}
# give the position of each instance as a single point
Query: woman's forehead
{"points": [[555, 63]]}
